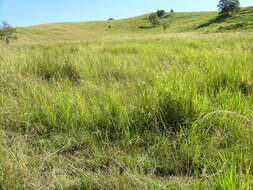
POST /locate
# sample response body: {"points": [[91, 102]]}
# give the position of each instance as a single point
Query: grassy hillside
{"points": [[86, 108], [201, 22]]}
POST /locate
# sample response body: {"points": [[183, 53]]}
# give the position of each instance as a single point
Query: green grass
{"points": [[127, 111], [197, 22]]}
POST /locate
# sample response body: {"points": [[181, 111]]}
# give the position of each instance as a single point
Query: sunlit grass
{"points": [[128, 113]]}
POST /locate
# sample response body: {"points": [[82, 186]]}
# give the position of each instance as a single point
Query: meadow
{"points": [[139, 109]]}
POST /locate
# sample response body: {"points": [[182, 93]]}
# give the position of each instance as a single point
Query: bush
{"points": [[154, 19], [160, 13]]}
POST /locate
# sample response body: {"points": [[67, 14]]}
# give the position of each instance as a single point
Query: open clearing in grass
{"points": [[127, 113]]}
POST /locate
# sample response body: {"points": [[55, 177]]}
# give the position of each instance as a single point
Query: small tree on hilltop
{"points": [[160, 13], [228, 6], [154, 19], [7, 33]]}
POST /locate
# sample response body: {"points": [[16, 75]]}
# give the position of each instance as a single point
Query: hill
{"points": [[199, 22]]}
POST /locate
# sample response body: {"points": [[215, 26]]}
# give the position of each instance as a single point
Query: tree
{"points": [[160, 13], [7, 33], [172, 10], [228, 6], [110, 19], [154, 19]]}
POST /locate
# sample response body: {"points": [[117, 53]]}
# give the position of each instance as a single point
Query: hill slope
{"points": [[178, 22]]}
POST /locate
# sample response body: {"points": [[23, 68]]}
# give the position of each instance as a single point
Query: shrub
{"points": [[154, 19]]}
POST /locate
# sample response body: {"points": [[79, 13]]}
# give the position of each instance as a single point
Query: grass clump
{"points": [[236, 175], [56, 64], [163, 112]]}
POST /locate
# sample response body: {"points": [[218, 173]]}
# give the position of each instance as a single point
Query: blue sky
{"points": [[31, 12]]}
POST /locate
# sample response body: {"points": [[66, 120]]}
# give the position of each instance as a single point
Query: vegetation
{"points": [[154, 19], [160, 13], [165, 26], [7, 33], [227, 6], [206, 22], [129, 108]]}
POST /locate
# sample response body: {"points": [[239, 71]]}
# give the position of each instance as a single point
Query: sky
{"points": [[33, 12]]}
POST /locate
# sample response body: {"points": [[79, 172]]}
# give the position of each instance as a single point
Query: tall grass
{"points": [[235, 175], [127, 115]]}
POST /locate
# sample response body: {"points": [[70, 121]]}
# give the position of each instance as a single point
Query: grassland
{"points": [[85, 107], [200, 22]]}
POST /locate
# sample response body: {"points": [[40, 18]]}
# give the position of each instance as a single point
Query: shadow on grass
{"points": [[218, 19], [146, 27]]}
